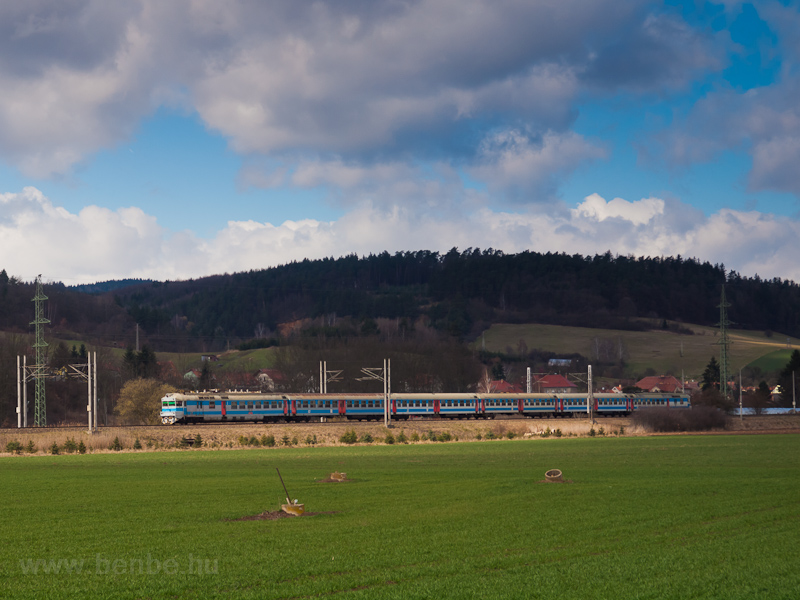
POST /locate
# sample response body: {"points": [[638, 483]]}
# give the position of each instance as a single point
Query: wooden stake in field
{"points": [[291, 508]]}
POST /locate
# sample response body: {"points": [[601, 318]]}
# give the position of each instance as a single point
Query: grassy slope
{"points": [[233, 360], [660, 517], [660, 350]]}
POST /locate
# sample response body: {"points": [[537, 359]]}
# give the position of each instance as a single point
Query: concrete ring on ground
{"points": [[554, 475]]}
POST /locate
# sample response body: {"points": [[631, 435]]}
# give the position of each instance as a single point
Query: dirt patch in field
{"points": [[274, 515]]}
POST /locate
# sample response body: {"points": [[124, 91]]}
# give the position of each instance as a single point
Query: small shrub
{"points": [[489, 435], [31, 447], [546, 432], [431, 436], [70, 446], [601, 431], [148, 443], [243, 440], [349, 437], [366, 438], [698, 418], [137, 445], [479, 437], [285, 440], [81, 448], [198, 441], [415, 437], [253, 441], [401, 438], [311, 441], [116, 445], [268, 440], [14, 447], [510, 435], [295, 441], [558, 433], [54, 448], [622, 430], [389, 439], [592, 432], [445, 436]]}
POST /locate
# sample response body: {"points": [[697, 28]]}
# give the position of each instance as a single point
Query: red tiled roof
{"points": [[664, 383], [501, 386], [553, 381]]}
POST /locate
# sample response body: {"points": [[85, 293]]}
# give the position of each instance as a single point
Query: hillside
{"points": [[655, 351], [457, 294]]}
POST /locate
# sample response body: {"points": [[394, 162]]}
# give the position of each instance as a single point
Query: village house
{"points": [[553, 384]]}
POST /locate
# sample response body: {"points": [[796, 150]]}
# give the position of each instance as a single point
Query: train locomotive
{"points": [[214, 406]]}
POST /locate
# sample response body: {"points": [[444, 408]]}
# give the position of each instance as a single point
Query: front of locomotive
{"points": [[172, 409]]}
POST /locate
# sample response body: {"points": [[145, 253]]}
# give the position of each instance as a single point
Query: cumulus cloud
{"points": [[512, 162], [764, 121], [97, 244], [349, 79], [639, 212]]}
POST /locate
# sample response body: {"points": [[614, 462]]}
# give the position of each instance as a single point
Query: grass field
{"points": [[663, 351], [658, 517]]}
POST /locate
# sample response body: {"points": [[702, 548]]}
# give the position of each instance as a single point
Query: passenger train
{"points": [[259, 407]]}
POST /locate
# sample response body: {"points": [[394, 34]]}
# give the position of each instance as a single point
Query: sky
{"points": [[174, 140]]}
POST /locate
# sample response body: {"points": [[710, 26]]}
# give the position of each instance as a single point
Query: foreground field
{"points": [[648, 517]]}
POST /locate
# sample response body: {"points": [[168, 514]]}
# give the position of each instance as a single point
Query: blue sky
{"points": [[182, 139]]}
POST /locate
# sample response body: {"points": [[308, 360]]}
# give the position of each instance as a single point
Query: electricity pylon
{"points": [[39, 370]]}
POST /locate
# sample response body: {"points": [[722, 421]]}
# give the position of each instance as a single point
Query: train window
{"points": [[212, 404], [179, 403]]}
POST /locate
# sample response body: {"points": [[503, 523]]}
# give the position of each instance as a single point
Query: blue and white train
{"points": [[250, 406]]}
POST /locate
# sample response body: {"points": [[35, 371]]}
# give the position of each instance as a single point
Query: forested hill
{"points": [[459, 293]]}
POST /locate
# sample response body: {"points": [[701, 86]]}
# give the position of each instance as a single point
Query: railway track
{"points": [[333, 423]]}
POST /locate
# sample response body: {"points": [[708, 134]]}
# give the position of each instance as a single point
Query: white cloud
{"points": [[512, 161], [98, 244], [639, 212], [285, 78]]}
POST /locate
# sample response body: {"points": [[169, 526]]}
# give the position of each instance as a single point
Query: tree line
{"points": [[459, 293]]}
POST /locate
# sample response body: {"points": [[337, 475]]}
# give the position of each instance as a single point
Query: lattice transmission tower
{"points": [[39, 370], [724, 344]]}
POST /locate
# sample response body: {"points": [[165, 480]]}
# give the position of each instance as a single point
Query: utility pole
{"points": [[385, 375], [326, 376], [741, 417], [724, 344]]}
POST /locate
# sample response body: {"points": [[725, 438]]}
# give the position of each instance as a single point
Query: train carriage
{"points": [[251, 406]]}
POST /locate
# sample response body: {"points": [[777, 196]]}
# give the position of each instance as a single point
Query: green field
{"points": [[662, 351], [656, 517]]}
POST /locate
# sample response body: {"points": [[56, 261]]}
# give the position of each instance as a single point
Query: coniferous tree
{"points": [[710, 377]]}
